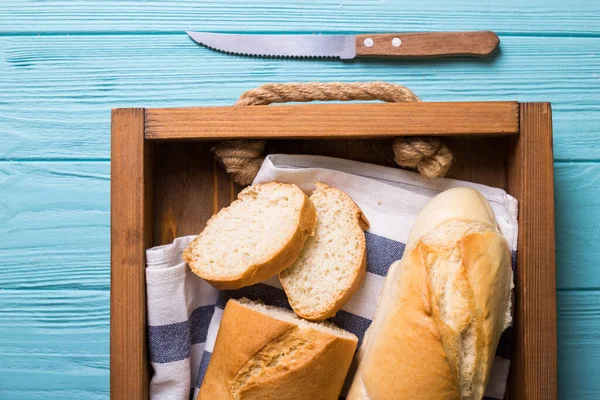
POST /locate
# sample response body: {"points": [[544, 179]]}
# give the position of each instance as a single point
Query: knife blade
{"points": [[345, 47]]}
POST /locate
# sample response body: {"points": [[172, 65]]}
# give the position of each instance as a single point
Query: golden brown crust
{"points": [[361, 271], [277, 263], [404, 354], [257, 356], [488, 262], [409, 349]]}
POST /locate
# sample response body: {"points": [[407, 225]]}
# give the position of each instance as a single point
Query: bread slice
{"points": [[332, 264], [256, 237], [265, 352]]}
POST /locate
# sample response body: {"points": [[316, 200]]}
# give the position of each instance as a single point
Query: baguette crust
{"points": [[441, 313], [490, 276], [278, 260], [359, 265], [403, 353], [257, 356]]}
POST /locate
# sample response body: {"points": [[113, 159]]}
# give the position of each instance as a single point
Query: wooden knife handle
{"points": [[433, 44]]}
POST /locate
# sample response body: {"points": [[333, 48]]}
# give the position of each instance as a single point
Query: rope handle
{"points": [[242, 158]]}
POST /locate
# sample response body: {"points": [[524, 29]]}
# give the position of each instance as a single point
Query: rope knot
{"points": [[429, 156], [241, 158]]}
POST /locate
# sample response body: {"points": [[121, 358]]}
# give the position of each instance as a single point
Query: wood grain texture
{"points": [[577, 17], [54, 225], [533, 372], [190, 186], [577, 196], [68, 84], [131, 235], [427, 44], [333, 120], [578, 350], [57, 338]]}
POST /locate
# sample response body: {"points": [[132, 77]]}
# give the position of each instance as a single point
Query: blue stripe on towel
{"points": [[203, 367], [352, 323], [381, 253], [168, 343], [199, 322]]}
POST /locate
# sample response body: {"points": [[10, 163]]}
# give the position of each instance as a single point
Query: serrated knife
{"points": [[345, 47]]}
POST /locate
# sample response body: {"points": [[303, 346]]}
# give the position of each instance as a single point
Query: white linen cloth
{"points": [[184, 311]]}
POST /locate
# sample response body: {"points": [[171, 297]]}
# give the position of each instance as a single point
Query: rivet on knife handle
{"points": [[433, 44]]}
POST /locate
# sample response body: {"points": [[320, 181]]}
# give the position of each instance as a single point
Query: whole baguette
{"points": [[264, 352], [442, 308]]}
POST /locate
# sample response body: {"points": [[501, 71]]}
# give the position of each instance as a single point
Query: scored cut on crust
{"points": [[266, 352]]}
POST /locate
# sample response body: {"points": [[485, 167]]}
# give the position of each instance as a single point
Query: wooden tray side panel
{"points": [[334, 120], [131, 233], [531, 179]]}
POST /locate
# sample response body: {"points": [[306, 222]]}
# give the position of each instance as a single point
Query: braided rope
{"points": [[243, 158]]}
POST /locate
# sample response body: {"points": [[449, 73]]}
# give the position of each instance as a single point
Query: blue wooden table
{"points": [[65, 63]]}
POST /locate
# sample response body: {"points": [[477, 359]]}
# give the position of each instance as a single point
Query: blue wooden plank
{"points": [[54, 225], [56, 91], [54, 344], [56, 394], [549, 17], [577, 213], [579, 345]]}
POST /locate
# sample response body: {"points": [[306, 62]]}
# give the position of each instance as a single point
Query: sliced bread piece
{"points": [[256, 237], [266, 352], [332, 264]]}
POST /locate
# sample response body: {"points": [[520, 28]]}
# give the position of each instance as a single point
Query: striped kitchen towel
{"points": [[184, 311]]}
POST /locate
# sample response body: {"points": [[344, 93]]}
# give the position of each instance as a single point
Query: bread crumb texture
{"points": [[248, 233], [332, 263]]}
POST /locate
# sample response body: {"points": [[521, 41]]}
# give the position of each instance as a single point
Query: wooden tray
{"points": [[165, 183]]}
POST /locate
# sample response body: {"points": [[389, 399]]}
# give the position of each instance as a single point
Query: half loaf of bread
{"points": [[265, 352], [442, 308], [256, 237], [332, 264]]}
